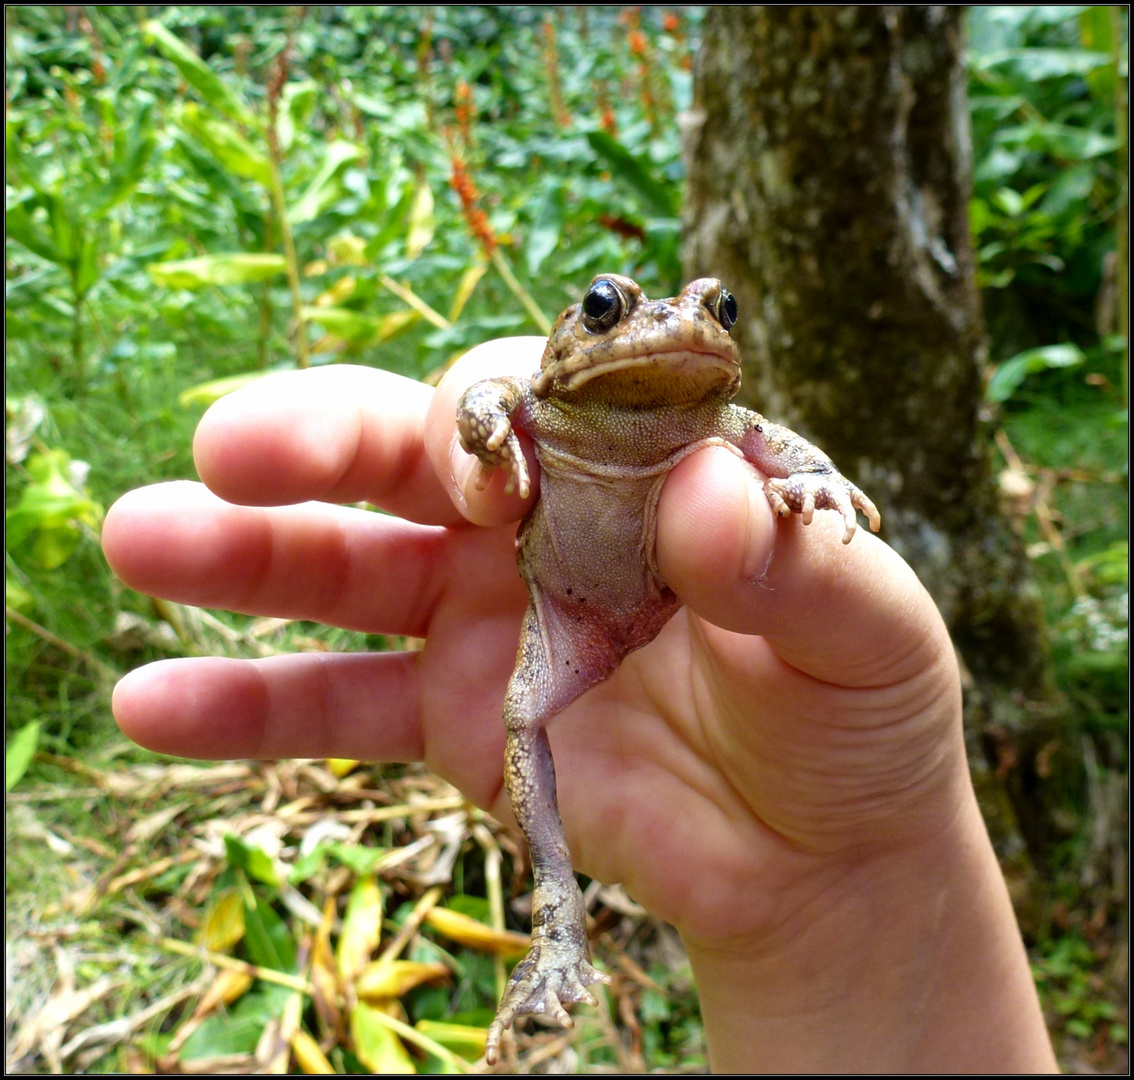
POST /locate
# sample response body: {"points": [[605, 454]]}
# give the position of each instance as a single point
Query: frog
{"points": [[626, 389]]}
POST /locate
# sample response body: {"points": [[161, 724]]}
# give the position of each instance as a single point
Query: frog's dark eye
{"points": [[603, 306], [725, 309]]}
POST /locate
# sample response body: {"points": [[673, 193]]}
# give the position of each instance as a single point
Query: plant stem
{"points": [[265, 324], [1122, 225], [414, 301], [77, 334], [279, 203], [520, 293], [104, 671], [280, 208]]}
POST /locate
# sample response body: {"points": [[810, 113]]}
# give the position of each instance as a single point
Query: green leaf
{"points": [[1059, 140], [231, 149], [361, 329], [197, 73], [377, 1047], [207, 392], [547, 228], [323, 190], [296, 103], [362, 927], [307, 866], [63, 230], [1096, 33], [660, 196], [87, 271], [21, 227], [1036, 64], [1108, 567], [237, 1030], [48, 517], [1009, 375], [362, 860], [254, 861], [237, 268], [19, 753], [16, 596], [421, 222], [269, 941], [127, 171], [462, 1039]]}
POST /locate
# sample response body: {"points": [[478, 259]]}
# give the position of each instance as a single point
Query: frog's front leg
{"points": [[485, 417], [802, 479], [557, 968]]}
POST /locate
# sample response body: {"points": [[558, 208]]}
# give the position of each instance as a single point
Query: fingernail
{"points": [[757, 551]]}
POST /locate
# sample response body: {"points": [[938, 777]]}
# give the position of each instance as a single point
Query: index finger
{"points": [[338, 434]]}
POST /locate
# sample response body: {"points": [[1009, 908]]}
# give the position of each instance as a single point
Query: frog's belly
{"points": [[587, 554]]}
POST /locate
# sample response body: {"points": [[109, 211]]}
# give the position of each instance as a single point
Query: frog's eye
{"points": [[725, 309], [603, 306]]}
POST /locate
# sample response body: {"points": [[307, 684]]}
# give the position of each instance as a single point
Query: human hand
{"points": [[788, 745]]}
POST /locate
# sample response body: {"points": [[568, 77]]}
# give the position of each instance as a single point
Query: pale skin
{"points": [[780, 774]]}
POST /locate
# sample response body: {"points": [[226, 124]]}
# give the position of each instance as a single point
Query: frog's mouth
{"points": [[670, 376]]}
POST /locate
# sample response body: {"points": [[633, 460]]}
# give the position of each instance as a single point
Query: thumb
{"points": [[854, 614]]}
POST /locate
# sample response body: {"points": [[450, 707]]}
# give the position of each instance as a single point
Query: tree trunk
{"points": [[829, 171]]}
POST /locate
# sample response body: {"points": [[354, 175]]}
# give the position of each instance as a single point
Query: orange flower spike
{"points": [[475, 217], [464, 110]]}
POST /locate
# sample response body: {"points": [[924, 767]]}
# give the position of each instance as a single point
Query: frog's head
{"points": [[624, 347]]}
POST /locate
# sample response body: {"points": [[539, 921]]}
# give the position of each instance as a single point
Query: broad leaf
{"points": [[231, 149], [323, 189], [238, 268], [197, 73], [377, 1047], [19, 753], [1014, 371], [659, 196]]}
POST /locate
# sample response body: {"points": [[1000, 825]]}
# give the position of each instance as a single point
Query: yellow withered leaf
{"points": [[224, 922], [224, 990], [460, 1038], [377, 1047], [393, 978], [308, 1056], [340, 766], [362, 928], [466, 930]]}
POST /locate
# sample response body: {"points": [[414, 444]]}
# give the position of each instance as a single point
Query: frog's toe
{"points": [[540, 985], [804, 493]]}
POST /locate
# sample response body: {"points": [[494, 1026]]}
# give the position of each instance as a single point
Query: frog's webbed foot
{"points": [[485, 426], [805, 492], [551, 975]]}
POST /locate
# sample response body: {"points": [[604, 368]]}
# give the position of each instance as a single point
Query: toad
{"points": [[627, 388]]}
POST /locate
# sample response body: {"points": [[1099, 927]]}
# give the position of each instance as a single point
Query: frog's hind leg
{"points": [[557, 969]]}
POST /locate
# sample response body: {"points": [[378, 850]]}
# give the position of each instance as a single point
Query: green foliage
{"points": [[160, 252], [1065, 969], [1047, 187], [19, 753], [1011, 373]]}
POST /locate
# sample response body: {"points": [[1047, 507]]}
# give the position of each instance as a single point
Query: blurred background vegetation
{"points": [[199, 195]]}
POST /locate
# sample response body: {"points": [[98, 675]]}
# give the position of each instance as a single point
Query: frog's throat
{"points": [[679, 363]]}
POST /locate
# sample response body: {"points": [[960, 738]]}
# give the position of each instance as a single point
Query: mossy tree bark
{"points": [[829, 173]]}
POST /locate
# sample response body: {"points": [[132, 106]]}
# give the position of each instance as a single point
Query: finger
{"points": [[311, 705], [369, 706], [338, 434], [347, 567], [851, 614], [458, 470]]}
